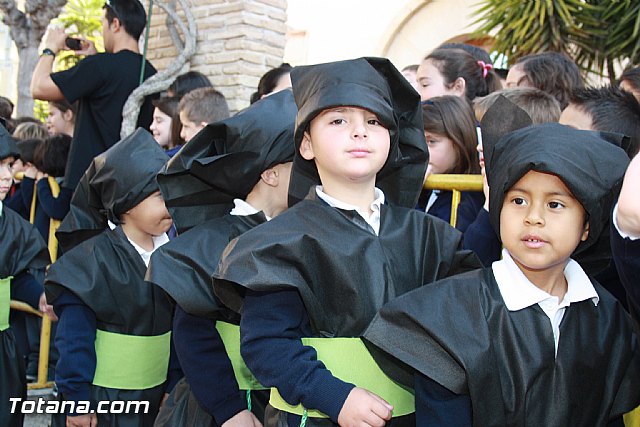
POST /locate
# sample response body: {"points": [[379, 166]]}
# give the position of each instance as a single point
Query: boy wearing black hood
{"points": [[310, 281], [114, 330], [243, 164], [532, 339]]}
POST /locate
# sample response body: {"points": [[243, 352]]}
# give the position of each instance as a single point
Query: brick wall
{"points": [[238, 41]]}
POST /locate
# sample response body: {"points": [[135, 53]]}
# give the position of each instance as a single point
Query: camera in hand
{"points": [[73, 44]]}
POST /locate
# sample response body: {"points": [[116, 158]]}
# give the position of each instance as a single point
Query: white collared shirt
{"points": [[620, 232], [0, 207], [146, 255], [373, 220], [242, 208], [432, 199], [519, 293]]}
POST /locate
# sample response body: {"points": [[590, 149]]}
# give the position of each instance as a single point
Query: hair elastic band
{"points": [[485, 68]]}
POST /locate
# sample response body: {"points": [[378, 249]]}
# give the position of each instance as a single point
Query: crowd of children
{"points": [[284, 266]]}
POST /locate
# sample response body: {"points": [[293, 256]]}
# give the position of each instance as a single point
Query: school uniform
{"points": [[438, 204], [22, 249], [513, 354], [204, 330], [626, 255], [114, 333]]}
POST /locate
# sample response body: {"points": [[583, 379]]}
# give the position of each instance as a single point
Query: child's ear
{"points": [[67, 115], [459, 86], [270, 177], [306, 149], [585, 233]]}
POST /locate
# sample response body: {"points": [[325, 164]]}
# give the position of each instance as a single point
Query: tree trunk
{"points": [[27, 28], [28, 57]]}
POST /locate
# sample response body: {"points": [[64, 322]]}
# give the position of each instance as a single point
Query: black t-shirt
{"points": [[101, 84]]}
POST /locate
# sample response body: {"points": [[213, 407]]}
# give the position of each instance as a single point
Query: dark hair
{"points": [[130, 13], [541, 106], [269, 81], [6, 107], [169, 106], [27, 148], [477, 52], [632, 76], [455, 63], [552, 72], [187, 82], [612, 110], [51, 155], [452, 117], [64, 106]]}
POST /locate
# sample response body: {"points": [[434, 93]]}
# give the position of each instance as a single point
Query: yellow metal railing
{"points": [[45, 331], [455, 184]]}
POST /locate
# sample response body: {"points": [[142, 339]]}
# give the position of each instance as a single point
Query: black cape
{"points": [[184, 266], [505, 360], [22, 248], [317, 249], [107, 273]]}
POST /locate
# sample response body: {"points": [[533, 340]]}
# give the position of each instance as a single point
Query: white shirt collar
{"points": [[242, 208], [146, 255], [615, 224], [519, 293], [373, 220], [1, 207]]}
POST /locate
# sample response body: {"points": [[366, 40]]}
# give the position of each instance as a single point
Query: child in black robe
{"points": [[532, 339], [22, 249], [114, 330], [245, 161], [310, 280]]}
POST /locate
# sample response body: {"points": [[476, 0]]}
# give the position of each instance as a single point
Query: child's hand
{"points": [[31, 171], [363, 408], [46, 308], [242, 419], [88, 420]]}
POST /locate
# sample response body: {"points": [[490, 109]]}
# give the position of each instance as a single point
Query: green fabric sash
{"points": [[349, 360], [5, 302], [130, 362], [230, 335]]}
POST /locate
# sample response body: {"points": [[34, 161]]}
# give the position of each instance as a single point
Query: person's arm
{"points": [[628, 212], [25, 288], [42, 84], [271, 329], [75, 341], [54, 207], [204, 359], [437, 406]]}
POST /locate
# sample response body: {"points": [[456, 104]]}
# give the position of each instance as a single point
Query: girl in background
{"points": [[450, 131]]}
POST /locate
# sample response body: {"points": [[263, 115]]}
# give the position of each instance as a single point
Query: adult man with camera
{"points": [[101, 82]]}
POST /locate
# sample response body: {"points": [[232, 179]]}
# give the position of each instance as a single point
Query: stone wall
{"points": [[238, 41]]}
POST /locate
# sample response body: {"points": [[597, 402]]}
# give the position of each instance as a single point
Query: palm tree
{"points": [[597, 34]]}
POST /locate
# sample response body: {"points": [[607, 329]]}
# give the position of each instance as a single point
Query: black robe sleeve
{"points": [[22, 246]]}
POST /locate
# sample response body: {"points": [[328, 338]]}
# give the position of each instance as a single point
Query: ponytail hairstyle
{"points": [[479, 77]]}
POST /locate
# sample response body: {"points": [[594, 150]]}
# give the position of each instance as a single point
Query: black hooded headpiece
{"points": [[373, 84], [116, 181], [224, 160], [589, 165], [8, 146]]}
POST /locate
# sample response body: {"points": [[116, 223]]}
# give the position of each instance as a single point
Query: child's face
{"points": [[541, 223], [150, 216], [189, 128], [431, 82], [6, 176], [57, 121], [442, 154], [348, 144], [161, 128]]}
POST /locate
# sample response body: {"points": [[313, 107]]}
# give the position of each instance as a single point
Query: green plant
{"points": [[597, 34]]}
